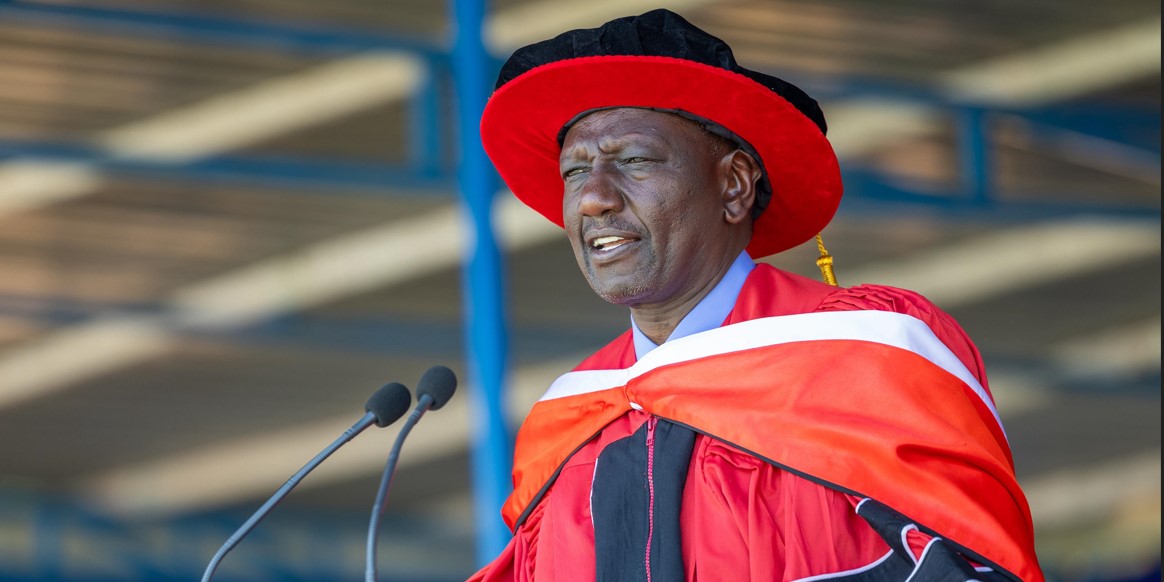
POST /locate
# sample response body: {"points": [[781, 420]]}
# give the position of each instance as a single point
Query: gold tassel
{"points": [[825, 262]]}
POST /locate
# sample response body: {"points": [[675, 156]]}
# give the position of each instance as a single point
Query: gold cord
{"points": [[825, 262]]}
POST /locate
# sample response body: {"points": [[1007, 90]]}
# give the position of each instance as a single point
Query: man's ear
{"points": [[741, 174]]}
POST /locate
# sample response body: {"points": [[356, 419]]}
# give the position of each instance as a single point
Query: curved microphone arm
{"points": [[423, 404], [368, 420]]}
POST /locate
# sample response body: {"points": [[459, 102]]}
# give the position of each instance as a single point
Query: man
{"points": [[752, 424]]}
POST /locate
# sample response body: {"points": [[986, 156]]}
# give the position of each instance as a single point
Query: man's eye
{"points": [[572, 172], [634, 160]]}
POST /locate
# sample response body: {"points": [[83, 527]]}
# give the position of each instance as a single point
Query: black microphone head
{"points": [[389, 403], [438, 383]]}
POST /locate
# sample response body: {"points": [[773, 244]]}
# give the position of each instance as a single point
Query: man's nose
{"points": [[600, 193]]}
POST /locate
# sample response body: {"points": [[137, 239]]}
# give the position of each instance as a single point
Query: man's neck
{"points": [[659, 322]]}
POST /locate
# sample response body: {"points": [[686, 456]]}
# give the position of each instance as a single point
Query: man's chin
{"points": [[624, 293], [623, 282]]}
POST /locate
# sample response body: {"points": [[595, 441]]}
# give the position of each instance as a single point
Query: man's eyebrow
{"points": [[628, 139], [611, 144]]}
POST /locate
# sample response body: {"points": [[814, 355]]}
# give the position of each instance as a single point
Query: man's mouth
{"points": [[609, 243]]}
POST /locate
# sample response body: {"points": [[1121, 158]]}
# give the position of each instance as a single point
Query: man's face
{"points": [[642, 204]]}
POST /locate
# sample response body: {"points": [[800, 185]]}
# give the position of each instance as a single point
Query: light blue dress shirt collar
{"points": [[709, 313]]}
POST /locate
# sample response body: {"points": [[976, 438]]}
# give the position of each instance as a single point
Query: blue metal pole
{"points": [[425, 131], [484, 307], [974, 155]]}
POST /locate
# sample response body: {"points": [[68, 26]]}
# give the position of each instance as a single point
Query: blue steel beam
{"points": [[283, 171], [487, 342], [870, 192], [1115, 118], [170, 550], [338, 178], [1133, 125], [59, 539], [321, 332], [219, 30]]}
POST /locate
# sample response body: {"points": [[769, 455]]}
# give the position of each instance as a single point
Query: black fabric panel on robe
{"points": [[939, 563], [621, 508]]}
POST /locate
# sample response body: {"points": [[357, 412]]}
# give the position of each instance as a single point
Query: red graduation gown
{"points": [[800, 419]]}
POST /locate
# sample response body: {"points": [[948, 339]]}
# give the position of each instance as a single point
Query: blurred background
{"points": [[225, 223]]}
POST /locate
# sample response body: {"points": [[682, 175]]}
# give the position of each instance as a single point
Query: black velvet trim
{"points": [[656, 33]]}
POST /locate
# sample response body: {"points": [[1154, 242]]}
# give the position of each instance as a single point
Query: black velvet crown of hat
{"points": [[659, 61], [660, 33]]}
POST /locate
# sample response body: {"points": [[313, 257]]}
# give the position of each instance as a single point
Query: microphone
{"points": [[383, 408], [435, 388]]}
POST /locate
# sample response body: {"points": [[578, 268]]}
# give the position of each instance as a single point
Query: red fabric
{"points": [[895, 427], [732, 503], [744, 519], [940, 461]]}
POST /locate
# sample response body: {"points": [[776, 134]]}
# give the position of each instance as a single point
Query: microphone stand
{"points": [[422, 406], [258, 516]]}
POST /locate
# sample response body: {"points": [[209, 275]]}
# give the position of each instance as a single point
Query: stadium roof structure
{"points": [[223, 224]]}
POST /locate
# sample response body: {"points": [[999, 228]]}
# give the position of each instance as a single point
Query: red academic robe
{"points": [[845, 434]]}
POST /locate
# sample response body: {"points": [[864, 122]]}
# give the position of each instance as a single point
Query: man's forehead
{"points": [[664, 116], [617, 121], [609, 133]]}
